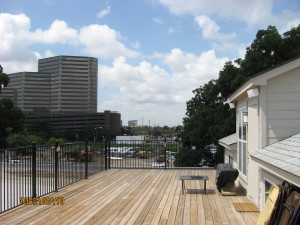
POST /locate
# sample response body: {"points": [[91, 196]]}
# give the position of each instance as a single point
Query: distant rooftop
{"points": [[284, 154]]}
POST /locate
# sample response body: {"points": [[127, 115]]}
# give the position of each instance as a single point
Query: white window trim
{"points": [[243, 152]]}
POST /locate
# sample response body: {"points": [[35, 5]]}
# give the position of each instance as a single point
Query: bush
{"points": [[53, 140], [23, 139], [187, 157]]}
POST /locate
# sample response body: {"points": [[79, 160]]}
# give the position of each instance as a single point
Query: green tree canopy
{"points": [[39, 127], [208, 117], [11, 120], [4, 79]]}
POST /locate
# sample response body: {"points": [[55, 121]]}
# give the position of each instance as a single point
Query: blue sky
{"points": [[151, 53]]}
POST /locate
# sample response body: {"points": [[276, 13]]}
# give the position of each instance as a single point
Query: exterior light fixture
{"points": [[253, 93], [231, 105]]}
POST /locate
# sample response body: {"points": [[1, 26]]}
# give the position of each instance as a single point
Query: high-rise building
{"points": [[64, 92], [62, 84], [132, 123], [28, 90], [73, 83]]}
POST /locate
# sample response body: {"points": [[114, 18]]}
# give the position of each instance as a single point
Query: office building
{"points": [[132, 123], [73, 83], [77, 123], [28, 90], [63, 91], [62, 84]]}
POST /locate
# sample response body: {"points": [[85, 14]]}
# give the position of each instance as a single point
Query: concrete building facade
{"points": [[77, 123], [63, 91], [62, 84], [73, 83], [28, 90]]}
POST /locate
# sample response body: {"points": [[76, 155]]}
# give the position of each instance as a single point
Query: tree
{"points": [[39, 127], [230, 78], [126, 130], [263, 53], [11, 120], [290, 47], [23, 139], [208, 116], [4, 79]]}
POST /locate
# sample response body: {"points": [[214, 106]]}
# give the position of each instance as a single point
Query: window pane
{"points": [[267, 189], [240, 156], [244, 158], [240, 132], [244, 137]]}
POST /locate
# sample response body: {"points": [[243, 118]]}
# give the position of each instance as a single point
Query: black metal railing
{"points": [[159, 154], [35, 171], [38, 170]]}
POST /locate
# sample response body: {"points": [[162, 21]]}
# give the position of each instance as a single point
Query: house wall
{"points": [[262, 171], [273, 116], [253, 145], [253, 125], [232, 152], [283, 106]]}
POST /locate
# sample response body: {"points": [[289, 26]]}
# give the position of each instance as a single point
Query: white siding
{"points": [[283, 106], [253, 135]]}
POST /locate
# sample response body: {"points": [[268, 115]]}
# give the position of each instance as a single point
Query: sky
{"points": [[151, 53]]}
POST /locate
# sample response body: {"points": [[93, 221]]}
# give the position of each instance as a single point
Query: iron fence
{"points": [[35, 171], [39, 170], [160, 154]]}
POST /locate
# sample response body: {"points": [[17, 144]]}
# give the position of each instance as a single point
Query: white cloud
{"points": [[100, 40], [59, 32], [255, 12], [210, 30], [135, 44], [104, 12], [150, 91], [157, 20], [48, 54], [291, 24], [237, 49], [171, 30], [14, 52], [16, 39]]}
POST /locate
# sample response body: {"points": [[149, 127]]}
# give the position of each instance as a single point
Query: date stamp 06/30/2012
{"points": [[42, 201]]}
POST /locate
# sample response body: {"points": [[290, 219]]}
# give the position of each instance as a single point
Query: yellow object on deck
{"points": [[265, 215]]}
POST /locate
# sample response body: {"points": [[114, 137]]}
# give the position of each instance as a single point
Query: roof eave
{"points": [[262, 79]]}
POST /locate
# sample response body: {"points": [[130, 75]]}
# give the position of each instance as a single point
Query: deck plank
{"points": [[136, 196]]}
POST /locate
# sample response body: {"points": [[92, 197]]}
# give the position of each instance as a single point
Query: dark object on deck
{"points": [[225, 174], [289, 214]]}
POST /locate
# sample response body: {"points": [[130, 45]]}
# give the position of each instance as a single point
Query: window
{"points": [[230, 160], [268, 185], [242, 141]]}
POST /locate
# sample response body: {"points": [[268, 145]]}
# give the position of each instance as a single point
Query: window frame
{"points": [[242, 141]]}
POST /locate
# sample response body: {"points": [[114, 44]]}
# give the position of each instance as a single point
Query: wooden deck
{"points": [[136, 196]]}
